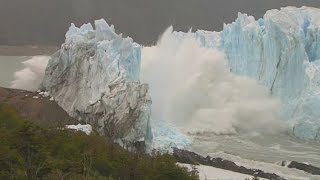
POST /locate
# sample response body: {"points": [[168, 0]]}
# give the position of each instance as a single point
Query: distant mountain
{"points": [[44, 22]]}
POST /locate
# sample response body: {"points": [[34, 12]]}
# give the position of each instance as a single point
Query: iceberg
{"points": [[95, 78], [282, 52]]}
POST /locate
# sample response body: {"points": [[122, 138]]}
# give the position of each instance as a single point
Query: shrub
{"points": [[28, 151]]}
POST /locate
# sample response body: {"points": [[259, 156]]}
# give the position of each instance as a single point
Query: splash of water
{"points": [[192, 88], [30, 77]]}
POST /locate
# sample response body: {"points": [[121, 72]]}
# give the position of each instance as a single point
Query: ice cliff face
{"points": [[95, 78], [281, 51], [95, 75]]}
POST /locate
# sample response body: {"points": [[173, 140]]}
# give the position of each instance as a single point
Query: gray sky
{"points": [[46, 21]]}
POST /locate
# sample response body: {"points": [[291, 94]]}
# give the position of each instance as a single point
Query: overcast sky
{"points": [[46, 21]]}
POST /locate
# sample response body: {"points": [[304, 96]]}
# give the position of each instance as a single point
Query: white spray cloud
{"points": [[30, 77], [193, 88]]}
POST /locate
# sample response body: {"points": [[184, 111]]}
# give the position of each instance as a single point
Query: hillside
{"points": [[34, 107], [28, 151]]}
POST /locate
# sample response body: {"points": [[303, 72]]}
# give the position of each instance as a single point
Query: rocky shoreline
{"points": [[301, 166], [188, 157]]}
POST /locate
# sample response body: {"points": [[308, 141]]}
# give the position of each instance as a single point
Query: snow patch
{"points": [[87, 128]]}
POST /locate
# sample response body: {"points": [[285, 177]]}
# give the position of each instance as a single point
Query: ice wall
{"points": [[282, 52], [95, 78], [95, 75]]}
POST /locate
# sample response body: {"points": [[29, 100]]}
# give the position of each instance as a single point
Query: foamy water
{"points": [[261, 151], [31, 76], [8, 66]]}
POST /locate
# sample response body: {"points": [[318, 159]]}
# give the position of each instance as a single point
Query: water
{"points": [[261, 151], [8, 66]]}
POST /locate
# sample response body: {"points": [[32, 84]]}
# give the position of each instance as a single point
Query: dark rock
{"points": [[302, 166], [184, 156]]}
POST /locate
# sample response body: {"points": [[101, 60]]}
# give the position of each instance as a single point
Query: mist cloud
{"points": [[31, 76], [192, 88]]}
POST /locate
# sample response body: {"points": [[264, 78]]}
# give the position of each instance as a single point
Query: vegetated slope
{"points": [[33, 106], [28, 151]]}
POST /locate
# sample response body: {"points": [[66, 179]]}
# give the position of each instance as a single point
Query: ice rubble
{"points": [[86, 128], [281, 51], [95, 78]]}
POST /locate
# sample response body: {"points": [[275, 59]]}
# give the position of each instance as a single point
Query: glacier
{"points": [[95, 78], [282, 52]]}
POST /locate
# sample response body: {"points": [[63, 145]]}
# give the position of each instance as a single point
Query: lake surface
{"points": [[261, 151], [8, 66]]}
